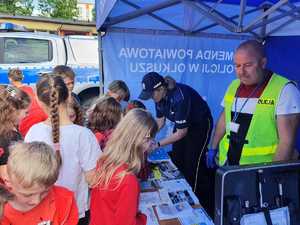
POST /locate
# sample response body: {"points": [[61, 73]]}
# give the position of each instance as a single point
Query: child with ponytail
{"points": [[75, 145], [115, 196]]}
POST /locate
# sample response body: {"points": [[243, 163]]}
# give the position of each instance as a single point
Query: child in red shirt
{"points": [[104, 118], [115, 197], [35, 112], [32, 171]]}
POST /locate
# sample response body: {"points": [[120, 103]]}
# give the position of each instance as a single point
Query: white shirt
{"points": [[79, 151]]}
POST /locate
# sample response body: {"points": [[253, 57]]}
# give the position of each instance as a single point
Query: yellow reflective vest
{"points": [[262, 134]]}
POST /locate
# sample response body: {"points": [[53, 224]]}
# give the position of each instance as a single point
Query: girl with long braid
{"points": [[14, 104], [75, 145]]}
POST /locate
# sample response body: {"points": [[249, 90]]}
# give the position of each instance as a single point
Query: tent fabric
{"points": [[190, 27], [190, 17]]}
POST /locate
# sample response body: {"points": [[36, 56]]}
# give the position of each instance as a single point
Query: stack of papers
{"points": [[168, 193], [172, 211], [149, 199]]}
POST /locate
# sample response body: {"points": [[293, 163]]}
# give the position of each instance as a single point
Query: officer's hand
{"points": [[210, 158]]}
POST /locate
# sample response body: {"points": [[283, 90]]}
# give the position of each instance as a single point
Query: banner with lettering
{"points": [[206, 64]]}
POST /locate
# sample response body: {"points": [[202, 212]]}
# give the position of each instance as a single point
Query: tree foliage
{"points": [[17, 7], [65, 9]]}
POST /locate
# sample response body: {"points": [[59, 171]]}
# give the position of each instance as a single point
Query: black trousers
{"points": [[189, 155], [85, 220]]}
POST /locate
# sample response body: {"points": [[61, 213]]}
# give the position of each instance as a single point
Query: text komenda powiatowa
{"points": [[172, 60]]}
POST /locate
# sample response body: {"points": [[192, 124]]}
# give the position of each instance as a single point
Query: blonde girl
{"points": [[75, 145], [114, 198]]}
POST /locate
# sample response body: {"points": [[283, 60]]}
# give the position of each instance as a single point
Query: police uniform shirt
{"points": [[182, 105]]}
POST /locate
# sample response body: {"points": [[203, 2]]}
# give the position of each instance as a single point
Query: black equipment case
{"points": [[245, 190]]}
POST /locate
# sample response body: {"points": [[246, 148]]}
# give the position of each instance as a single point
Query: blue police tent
{"points": [[194, 40]]}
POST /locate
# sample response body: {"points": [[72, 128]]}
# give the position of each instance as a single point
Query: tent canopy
{"points": [[142, 35], [195, 17]]}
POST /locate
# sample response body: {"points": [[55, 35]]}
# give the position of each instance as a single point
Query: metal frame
{"points": [[234, 24], [140, 12], [154, 16]]}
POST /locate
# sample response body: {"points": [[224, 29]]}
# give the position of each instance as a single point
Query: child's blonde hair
{"points": [[125, 146], [32, 163]]}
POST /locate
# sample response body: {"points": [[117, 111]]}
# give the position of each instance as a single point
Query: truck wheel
{"points": [[87, 97]]}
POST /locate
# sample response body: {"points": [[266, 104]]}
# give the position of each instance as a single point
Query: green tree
{"points": [[66, 9], [17, 7]]}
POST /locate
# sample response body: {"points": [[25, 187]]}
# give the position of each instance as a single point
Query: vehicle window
{"points": [[85, 51], [26, 50]]}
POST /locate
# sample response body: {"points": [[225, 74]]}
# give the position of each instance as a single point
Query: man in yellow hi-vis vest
{"points": [[261, 113]]}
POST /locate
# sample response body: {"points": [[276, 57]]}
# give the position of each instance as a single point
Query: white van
{"points": [[35, 53]]}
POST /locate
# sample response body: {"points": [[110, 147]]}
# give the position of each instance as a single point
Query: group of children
{"points": [[58, 171]]}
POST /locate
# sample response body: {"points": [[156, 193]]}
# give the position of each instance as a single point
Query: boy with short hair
{"points": [[32, 171], [119, 90], [68, 75]]}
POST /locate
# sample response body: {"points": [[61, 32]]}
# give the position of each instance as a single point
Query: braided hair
{"points": [[52, 91]]}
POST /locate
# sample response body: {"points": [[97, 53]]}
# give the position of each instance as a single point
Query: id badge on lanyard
{"points": [[233, 126]]}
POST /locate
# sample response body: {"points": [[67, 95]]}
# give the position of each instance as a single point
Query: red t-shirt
{"points": [[58, 208], [103, 137], [117, 205], [35, 112]]}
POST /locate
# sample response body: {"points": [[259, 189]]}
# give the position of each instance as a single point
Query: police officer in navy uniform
{"points": [[191, 115]]}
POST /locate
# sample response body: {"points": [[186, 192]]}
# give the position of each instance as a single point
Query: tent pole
{"points": [[264, 14], [214, 15], [154, 16], [242, 13], [280, 27], [101, 68], [231, 18], [270, 20], [140, 12]]}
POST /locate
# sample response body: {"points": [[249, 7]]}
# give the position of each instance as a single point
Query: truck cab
{"points": [[37, 53]]}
